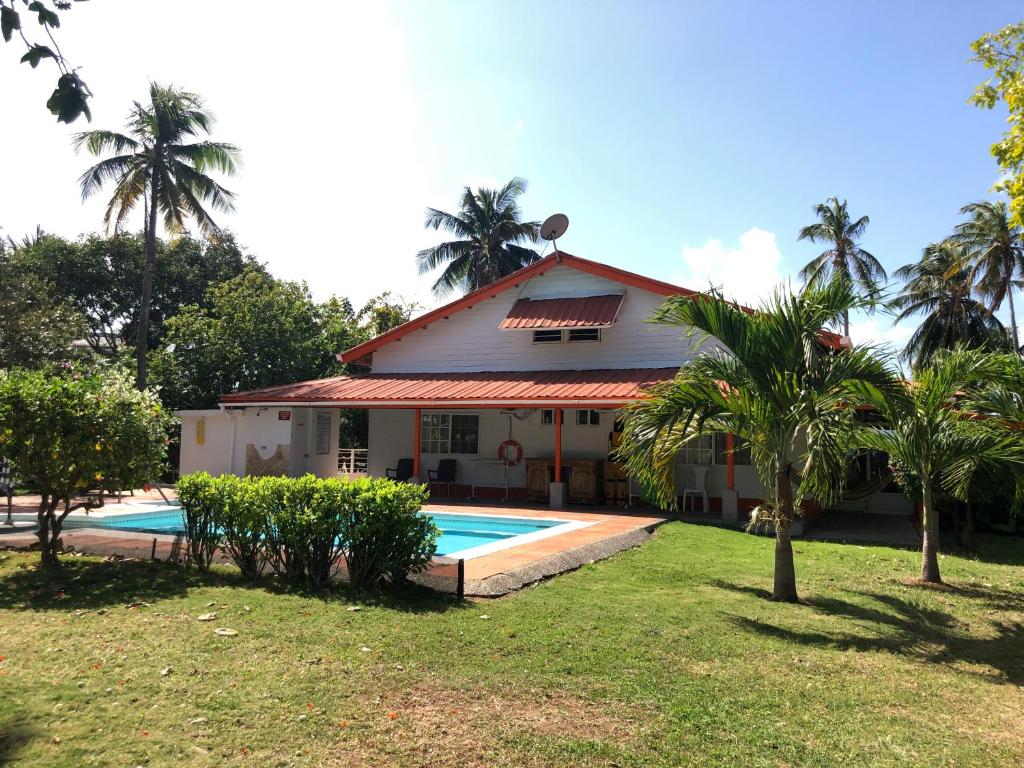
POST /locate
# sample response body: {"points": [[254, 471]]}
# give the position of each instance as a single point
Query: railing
{"points": [[352, 460]]}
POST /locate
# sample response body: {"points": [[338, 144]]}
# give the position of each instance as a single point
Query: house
{"points": [[516, 386]]}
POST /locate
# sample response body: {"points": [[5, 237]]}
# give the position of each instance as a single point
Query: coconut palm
{"points": [[994, 251], [771, 383], [939, 287], [945, 426], [156, 163], [844, 260], [490, 232]]}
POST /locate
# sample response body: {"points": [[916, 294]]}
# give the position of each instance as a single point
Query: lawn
{"points": [[665, 655]]}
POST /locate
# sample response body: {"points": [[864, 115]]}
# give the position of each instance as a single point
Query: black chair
{"points": [[445, 473], [402, 472]]}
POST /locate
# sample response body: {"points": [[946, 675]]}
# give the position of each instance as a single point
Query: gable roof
{"points": [[361, 351]]}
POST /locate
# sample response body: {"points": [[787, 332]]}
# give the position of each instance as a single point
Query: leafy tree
{"points": [[101, 276], [490, 230], [255, 332], [70, 98], [37, 328], [67, 433], [769, 381], [1002, 53], [939, 287], [845, 260], [994, 254], [932, 431], [157, 164], [382, 313]]}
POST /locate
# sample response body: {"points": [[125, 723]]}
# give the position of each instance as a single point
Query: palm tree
{"points": [[490, 231], [994, 251], [772, 384], [939, 287], [933, 433], [156, 164], [844, 260]]}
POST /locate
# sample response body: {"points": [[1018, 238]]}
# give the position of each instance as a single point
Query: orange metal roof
{"points": [[582, 312], [487, 388]]}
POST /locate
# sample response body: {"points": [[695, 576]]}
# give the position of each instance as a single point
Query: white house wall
{"points": [[470, 339], [213, 455]]}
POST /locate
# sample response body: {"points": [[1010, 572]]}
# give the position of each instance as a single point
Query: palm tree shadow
{"points": [[14, 735], [895, 625]]}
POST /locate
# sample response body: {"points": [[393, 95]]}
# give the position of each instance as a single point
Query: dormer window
{"points": [[584, 334], [547, 336]]}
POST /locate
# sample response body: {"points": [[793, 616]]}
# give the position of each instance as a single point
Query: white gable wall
{"points": [[470, 339]]}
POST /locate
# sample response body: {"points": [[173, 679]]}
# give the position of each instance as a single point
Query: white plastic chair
{"points": [[700, 487]]}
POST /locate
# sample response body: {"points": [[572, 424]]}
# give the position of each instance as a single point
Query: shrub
{"points": [[385, 535], [200, 498], [242, 518]]}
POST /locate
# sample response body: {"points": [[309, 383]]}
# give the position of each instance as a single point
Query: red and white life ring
{"points": [[503, 451]]}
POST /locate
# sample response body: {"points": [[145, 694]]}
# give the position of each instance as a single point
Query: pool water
{"points": [[459, 532]]}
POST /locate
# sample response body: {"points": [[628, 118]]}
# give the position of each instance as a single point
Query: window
{"points": [[547, 337], [547, 416], [584, 334], [588, 418], [699, 450], [740, 451], [449, 433]]}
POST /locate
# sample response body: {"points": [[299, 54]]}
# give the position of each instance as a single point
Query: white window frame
{"points": [[547, 336], [588, 417], [436, 433], [596, 338]]}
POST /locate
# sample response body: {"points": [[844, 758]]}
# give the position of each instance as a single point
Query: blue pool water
{"points": [[458, 532]]}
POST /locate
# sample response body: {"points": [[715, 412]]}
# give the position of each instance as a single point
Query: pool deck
{"points": [[608, 530]]}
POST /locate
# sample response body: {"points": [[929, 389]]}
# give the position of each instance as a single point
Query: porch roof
{"points": [[501, 389], [568, 312]]}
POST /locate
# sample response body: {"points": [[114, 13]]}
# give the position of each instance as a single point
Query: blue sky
{"points": [[687, 141]]}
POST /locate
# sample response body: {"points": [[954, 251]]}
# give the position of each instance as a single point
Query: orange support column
{"points": [[730, 463], [558, 445], [416, 443]]}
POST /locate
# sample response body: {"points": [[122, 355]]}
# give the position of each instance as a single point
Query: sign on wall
{"points": [[323, 434]]}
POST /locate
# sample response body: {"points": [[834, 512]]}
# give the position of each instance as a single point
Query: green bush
{"points": [[200, 497], [302, 526]]}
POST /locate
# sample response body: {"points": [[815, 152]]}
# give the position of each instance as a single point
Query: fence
{"points": [[352, 460]]}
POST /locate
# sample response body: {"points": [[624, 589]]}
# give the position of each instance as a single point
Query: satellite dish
{"points": [[554, 227]]}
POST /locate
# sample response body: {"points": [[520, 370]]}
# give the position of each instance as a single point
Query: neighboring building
{"points": [[544, 358]]}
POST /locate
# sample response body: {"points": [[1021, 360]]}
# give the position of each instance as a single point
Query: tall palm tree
{"points": [[156, 163], [490, 230], [844, 260], [772, 384], [994, 251], [933, 433], [939, 287]]}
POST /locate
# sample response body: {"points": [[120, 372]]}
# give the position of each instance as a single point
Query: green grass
{"points": [[662, 656]]}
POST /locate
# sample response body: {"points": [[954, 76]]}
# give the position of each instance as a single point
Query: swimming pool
{"points": [[463, 535]]}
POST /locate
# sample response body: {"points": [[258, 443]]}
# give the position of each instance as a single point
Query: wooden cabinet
{"points": [[583, 479]]}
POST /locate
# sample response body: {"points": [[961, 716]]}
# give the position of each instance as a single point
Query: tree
{"points": [[255, 332], [845, 260], [70, 98], [382, 313], [765, 378], [994, 253], [941, 430], [158, 165], [490, 230], [37, 328], [1002, 53], [100, 276], [66, 433], [939, 287]]}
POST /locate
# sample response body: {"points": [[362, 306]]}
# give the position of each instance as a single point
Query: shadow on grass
{"points": [[89, 584], [14, 735], [893, 624]]}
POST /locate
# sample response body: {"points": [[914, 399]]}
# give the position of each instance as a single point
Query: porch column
{"points": [[556, 492], [730, 499], [416, 421]]}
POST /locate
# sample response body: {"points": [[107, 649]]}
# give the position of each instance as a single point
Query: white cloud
{"points": [[747, 272], [519, 126], [878, 329]]}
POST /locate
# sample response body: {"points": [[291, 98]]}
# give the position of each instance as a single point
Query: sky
{"points": [[687, 141]]}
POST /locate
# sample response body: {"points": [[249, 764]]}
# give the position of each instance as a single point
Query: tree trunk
{"points": [[930, 539], [1013, 319], [784, 587], [48, 533], [142, 338], [846, 323]]}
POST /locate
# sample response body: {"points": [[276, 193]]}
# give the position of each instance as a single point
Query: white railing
{"points": [[352, 461]]}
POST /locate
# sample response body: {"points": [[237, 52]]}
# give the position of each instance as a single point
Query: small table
{"points": [[505, 462]]}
